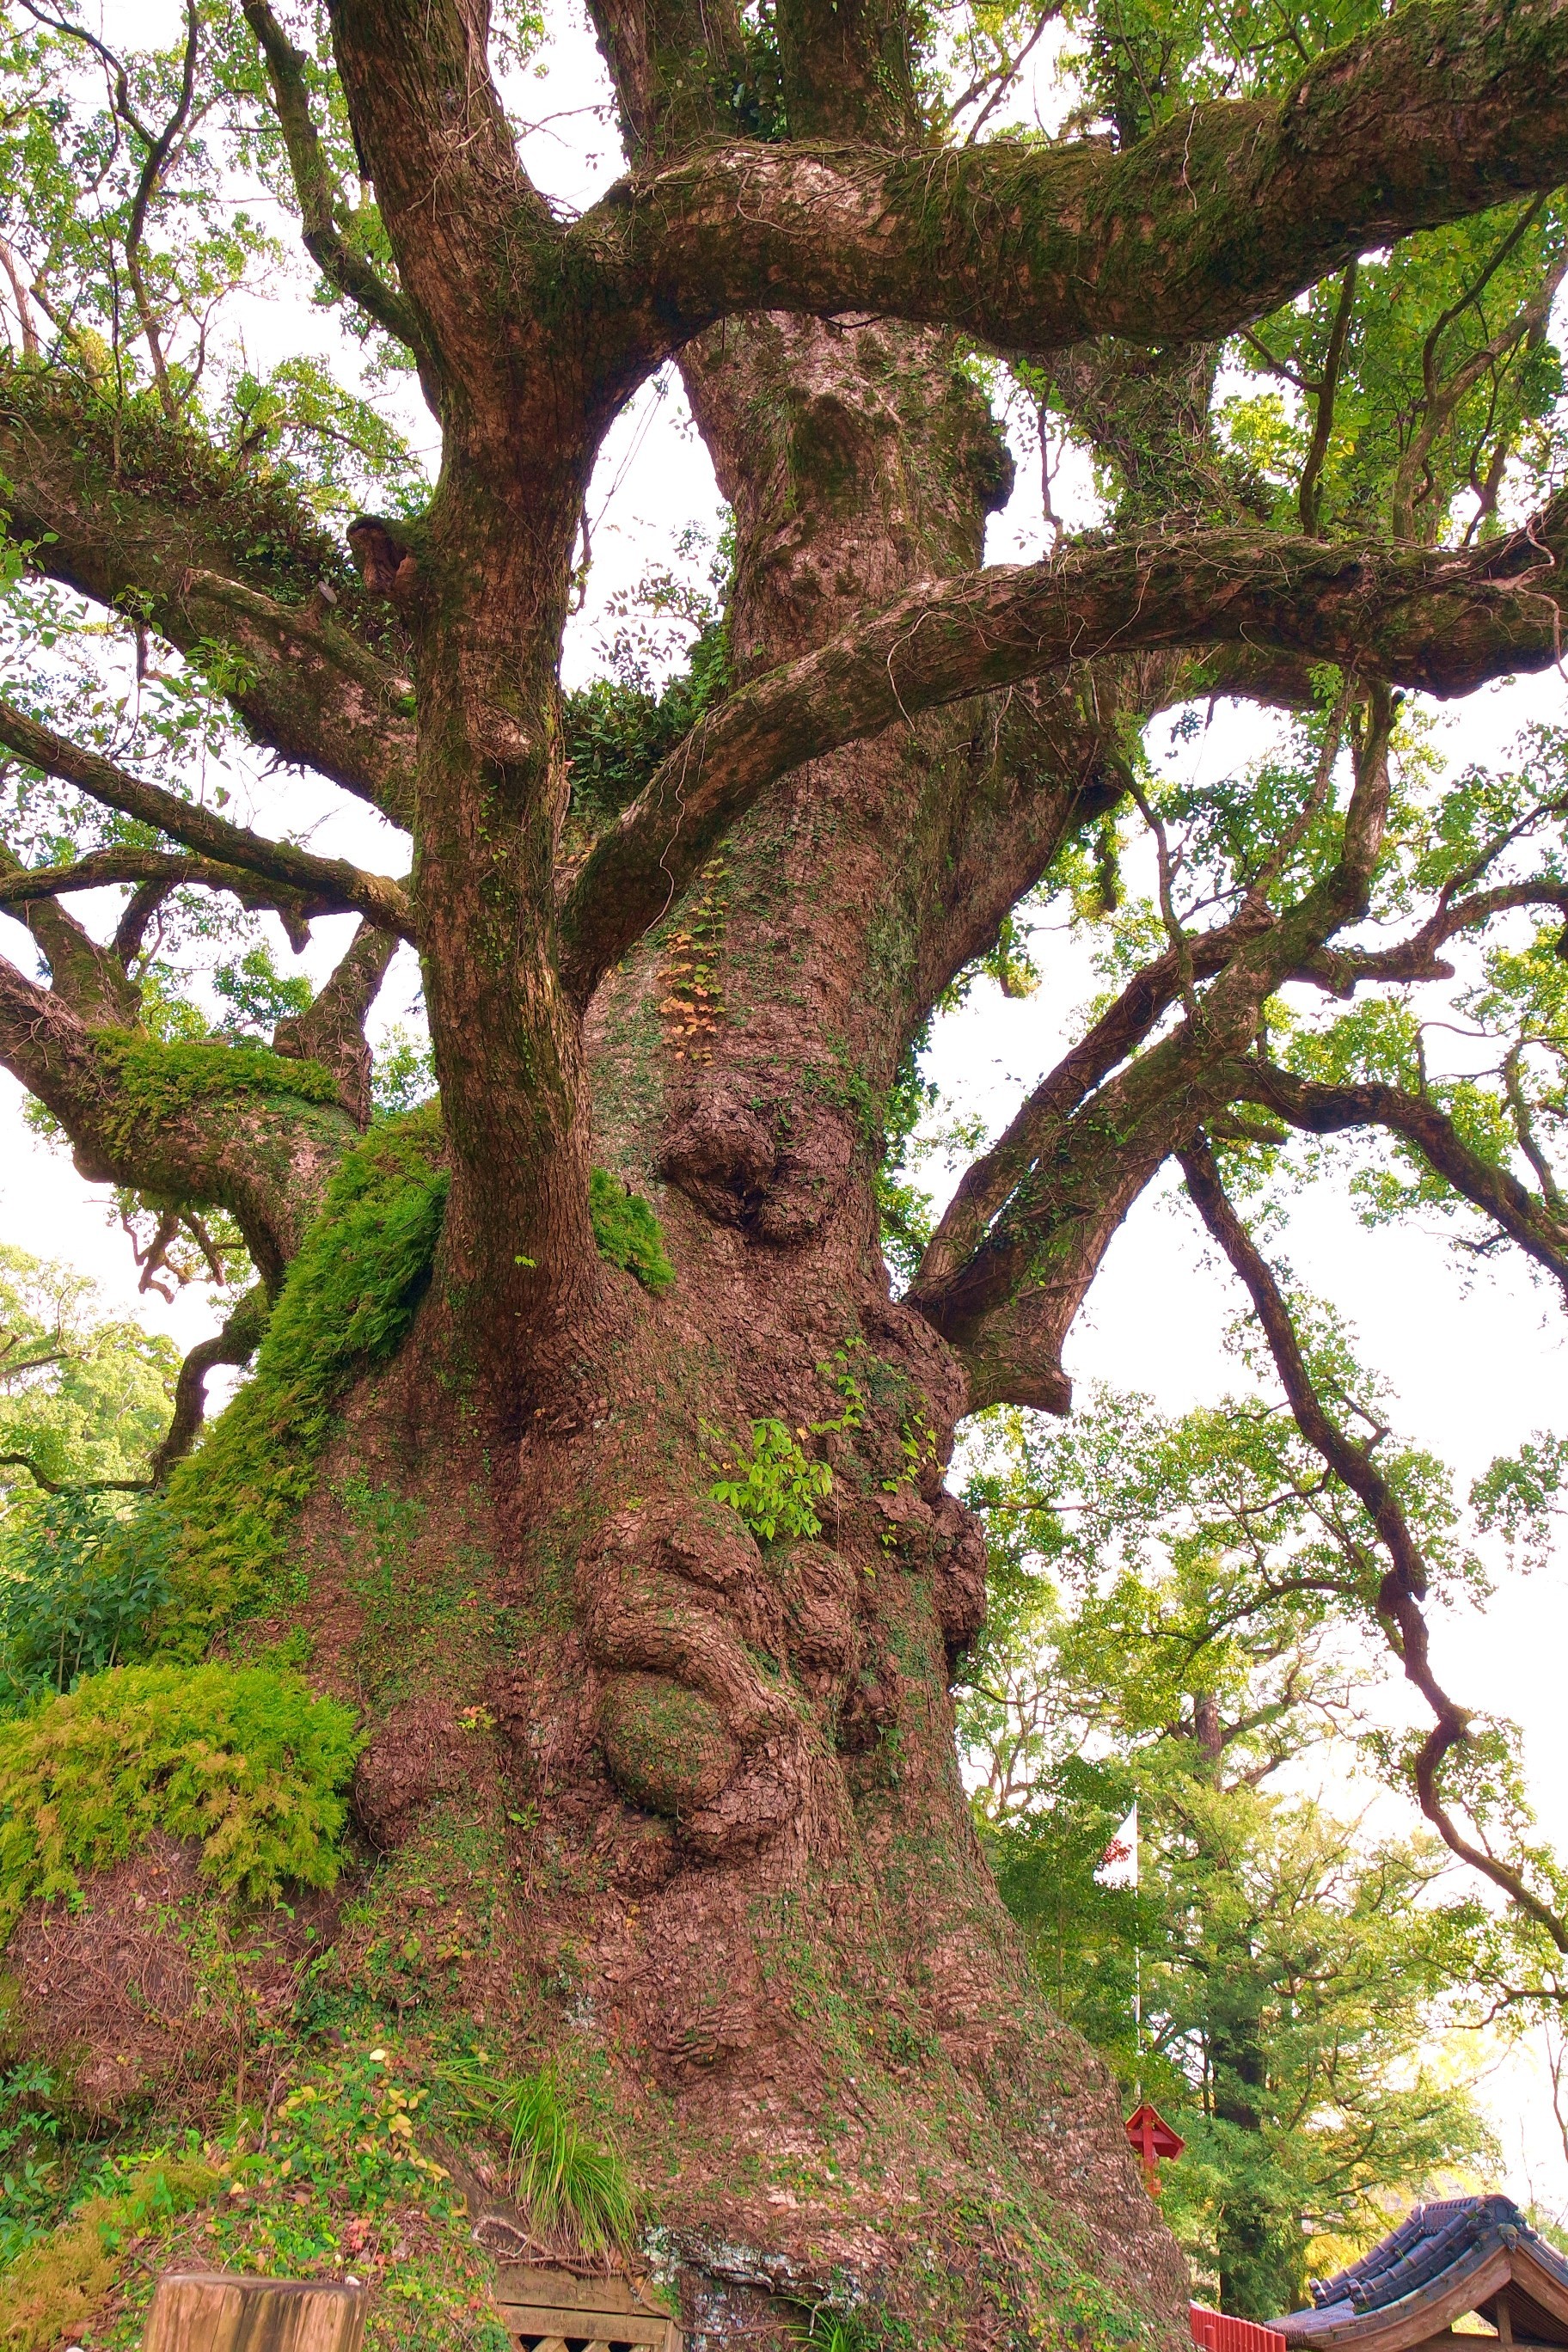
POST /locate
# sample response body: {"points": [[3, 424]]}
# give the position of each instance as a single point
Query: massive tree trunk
{"points": [[740, 1872]]}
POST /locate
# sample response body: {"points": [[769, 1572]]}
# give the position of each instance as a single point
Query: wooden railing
{"points": [[1215, 2331]]}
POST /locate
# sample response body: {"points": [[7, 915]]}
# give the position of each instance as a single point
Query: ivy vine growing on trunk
{"points": [[589, 1453]]}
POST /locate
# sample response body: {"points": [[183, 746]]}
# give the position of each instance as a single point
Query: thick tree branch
{"points": [[1403, 1588], [263, 1156], [1439, 621], [332, 1030], [157, 868], [334, 255], [376, 895], [133, 513], [465, 223], [1331, 1110], [1416, 958], [91, 979], [1223, 214], [989, 1182]]}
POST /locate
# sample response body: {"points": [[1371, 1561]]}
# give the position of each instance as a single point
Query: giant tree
{"points": [[590, 1447]]}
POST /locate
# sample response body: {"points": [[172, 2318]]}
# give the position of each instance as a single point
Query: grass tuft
{"points": [[568, 2181]]}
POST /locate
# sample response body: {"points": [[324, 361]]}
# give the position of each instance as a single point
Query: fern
{"points": [[350, 1295], [242, 1757]]}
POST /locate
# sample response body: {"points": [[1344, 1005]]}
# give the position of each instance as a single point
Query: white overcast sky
{"points": [[1474, 1371]]}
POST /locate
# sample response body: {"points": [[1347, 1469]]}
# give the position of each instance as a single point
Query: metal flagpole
{"points": [[1137, 1975], [1138, 2020]]}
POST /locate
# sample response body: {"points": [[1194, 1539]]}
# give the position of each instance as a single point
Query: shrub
{"points": [[245, 1759], [77, 1586]]}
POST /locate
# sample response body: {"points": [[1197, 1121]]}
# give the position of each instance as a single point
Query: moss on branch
{"points": [[349, 1298], [158, 1082]]}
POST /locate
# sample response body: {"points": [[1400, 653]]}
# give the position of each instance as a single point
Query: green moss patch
{"points": [[242, 1757], [352, 1294], [627, 1232], [159, 1082]]}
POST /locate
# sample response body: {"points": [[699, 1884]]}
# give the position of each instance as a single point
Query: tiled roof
{"points": [[1432, 2249]]}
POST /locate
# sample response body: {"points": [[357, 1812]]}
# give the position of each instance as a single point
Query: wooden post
{"points": [[220, 2311]]}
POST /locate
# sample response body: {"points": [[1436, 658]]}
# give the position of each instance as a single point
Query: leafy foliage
{"points": [[256, 994], [242, 1757], [776, 1487], [618, 729], [83, 1395], [1181, 1618], [78, 1585], [904, 1209]]}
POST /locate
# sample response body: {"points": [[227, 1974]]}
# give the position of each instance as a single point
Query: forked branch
{"points": [[164, 871], [377, 895], [1404, 1586]]}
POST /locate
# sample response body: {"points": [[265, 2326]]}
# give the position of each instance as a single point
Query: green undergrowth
{"points": [[349, 1298], [78, 1580], [56, 2281], [345, 2149], [337, 2158], [158, 1082], [242, 1757], [627, 1232]]}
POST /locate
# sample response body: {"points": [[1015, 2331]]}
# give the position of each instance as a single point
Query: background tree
{"points": [[1167, 1627], [588, 1450]]}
